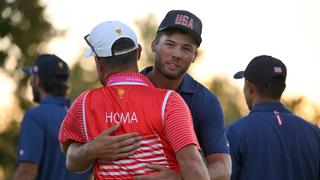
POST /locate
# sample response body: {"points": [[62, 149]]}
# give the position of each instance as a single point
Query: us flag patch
{"points": [[278, 117], [277, 69]]}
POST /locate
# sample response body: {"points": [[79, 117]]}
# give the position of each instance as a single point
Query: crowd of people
{"points": [[154, 124]]}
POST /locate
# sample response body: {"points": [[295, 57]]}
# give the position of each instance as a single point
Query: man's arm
{"points": [[80, 157], [191, 164], [219, 166], [26, 171]]}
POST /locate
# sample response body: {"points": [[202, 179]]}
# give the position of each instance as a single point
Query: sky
{"points": [[234, 32]]}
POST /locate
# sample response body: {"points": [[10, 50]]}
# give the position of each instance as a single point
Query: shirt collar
{"points": [[270, 106], [127, 79], [188, 84], [58, 100]]}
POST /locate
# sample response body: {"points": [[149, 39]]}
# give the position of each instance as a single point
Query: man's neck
{"points": [[260, 99], [159, 81]]}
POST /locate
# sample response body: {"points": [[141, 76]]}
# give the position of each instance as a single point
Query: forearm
{"points": [[26, 171], [191, 164], [78, 158], [193, 170], [220, 169]]}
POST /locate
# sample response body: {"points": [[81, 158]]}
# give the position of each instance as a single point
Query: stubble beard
{"points": [[167, 73]]}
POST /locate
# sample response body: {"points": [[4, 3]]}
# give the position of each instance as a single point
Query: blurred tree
{"points": [[147, 28], [23, 36], [304, 108], [231, 98], [83, 76], [8, 149], [24, 33]]}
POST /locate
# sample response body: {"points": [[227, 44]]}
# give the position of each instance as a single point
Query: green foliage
{"points": [[23, 35], [23, 31], [8, 148], [229, 96], [304, 108], [82, 79], [148, 28]]}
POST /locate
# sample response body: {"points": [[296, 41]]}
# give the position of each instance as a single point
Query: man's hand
{"points": [[110, 148], [80, 157], [164, 173]]}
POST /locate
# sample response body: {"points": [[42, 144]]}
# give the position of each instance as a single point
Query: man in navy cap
{"points": [[176, 48], [39, 155], [271, 142]]}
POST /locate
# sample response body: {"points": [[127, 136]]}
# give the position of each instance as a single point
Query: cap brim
{"points": [[27, 70], [88, 52], [239, 75]]}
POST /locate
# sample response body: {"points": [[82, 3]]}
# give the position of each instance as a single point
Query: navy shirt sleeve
{"points": [[208, 120], [235, 151], [31, 139], [212, 128]]}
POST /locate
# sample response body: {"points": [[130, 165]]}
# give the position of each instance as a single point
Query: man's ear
{"points": [[37, 80], [195, 57], [139, 51], [99, 63], [251, 86], [153, 45]]}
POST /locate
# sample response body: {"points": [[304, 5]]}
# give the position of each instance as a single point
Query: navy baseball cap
{"points": [[49, 67], [183, 20], [262, 69]]}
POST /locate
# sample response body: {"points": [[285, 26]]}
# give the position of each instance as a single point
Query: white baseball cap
{"points": [[105, 34]]}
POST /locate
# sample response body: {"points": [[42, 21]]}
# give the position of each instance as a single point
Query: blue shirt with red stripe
{"points": [[273, 143], [207, 114]]}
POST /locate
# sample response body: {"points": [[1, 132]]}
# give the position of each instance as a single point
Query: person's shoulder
{"points": [[242, 122], [151, 91], [85, 93], [198, 87], [40, 108], [304, 122], [146, 70], [204, 94]]}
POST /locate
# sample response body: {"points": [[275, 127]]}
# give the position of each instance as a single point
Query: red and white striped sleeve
{"points": [[72, 127], [178, 124]]}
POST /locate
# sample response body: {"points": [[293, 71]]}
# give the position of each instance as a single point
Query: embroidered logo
{"points": [[120, 92], [277, 69], [119, 31], [60, 64], [184, 20], [35, 69], [278, 117]]}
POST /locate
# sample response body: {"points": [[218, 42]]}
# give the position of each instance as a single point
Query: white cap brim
{"points": [[88, 52]]}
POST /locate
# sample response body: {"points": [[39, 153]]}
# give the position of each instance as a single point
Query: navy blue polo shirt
{"points": [[207, 114], [273, 143], [38, 139]]}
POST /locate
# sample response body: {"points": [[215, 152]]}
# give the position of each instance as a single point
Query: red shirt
{"points": [[160, 116]]}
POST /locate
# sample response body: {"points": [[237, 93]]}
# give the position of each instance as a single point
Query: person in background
{"points": [[129, 102], [271, 142], [176, 48], [39, 155]]}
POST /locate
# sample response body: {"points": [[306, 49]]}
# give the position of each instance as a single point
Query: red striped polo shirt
{"points": [[160, 116]]}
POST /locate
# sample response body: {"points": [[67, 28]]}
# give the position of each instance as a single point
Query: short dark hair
{"points": [[55, 88], [274, 93], [123, 60], [170, 31]]}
